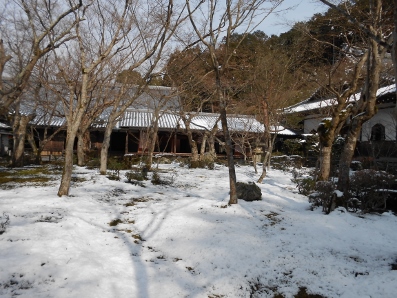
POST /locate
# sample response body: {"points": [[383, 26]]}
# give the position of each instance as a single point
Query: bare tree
{"points": [[188, 71], [220, 22], [243, 134], [210, 130], [380, 39], [209, 136], [159, 102], [330, 127], [29, 31], [19, 125], [41, 130], [99, 40], [274, 84], [154, 28], [190, 108], [264, 79], [365, 109], [340, 80], [369, 65], [103, 94], [47, 110], [26, 28]]}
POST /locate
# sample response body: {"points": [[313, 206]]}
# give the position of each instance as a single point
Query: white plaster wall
{"points": [[384, 117]]}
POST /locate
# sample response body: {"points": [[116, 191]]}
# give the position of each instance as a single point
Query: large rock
{"points": [[248, 191]]}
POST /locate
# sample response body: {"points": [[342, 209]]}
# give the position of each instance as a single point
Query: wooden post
{"points": [[126, 143], [143, 141], [140, 141], [174, 143]]}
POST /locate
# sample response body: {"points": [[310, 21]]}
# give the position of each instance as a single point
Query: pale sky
{"points": [[290, 12]]}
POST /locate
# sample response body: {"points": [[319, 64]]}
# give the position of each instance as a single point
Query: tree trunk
{"points": [[193, 147], [203, 144], [368, 107], [80, 150], [211, 145], [268, 153], [83, 145], [325, 163], [105, 149], [272, 140], [255, 156], [329, 129], [74, 123], [68, 164], [347, 156], [36, 150], [151, 145], [266, 122], [244, 152], [255, 162], [230, 159], [194, 159], [211, 141], [19, 129], [264, 165], [192, 143]]}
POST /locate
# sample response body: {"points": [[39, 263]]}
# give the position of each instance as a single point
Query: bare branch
{"points": [[360, 25]]}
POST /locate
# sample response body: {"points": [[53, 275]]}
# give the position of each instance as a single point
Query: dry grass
{"points": [[37, 176]]}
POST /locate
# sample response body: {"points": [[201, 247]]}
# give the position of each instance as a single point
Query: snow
{"points": [[338, 193], [3, 126], [184, 240], [313, 105], [281, 130]]}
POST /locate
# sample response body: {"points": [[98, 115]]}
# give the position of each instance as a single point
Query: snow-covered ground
{"points": [[184, 241]]}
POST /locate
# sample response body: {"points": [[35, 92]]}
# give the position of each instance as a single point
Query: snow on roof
{"points": [[49, 121], [320, 104], [140, 118], [307, 105], [201, 121], [135, 118], [204, 121], [386, 90], [4, 126], [281, 130]]}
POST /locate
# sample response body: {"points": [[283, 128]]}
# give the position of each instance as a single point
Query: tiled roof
{"points": [[200, 121], [307, 105], [46, 121], [140, 114], [140, 119], [170, 120]]}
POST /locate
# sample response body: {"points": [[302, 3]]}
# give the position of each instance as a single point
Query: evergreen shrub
{"points": [[370, 189]]}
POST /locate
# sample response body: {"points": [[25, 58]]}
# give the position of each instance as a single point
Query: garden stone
{"points": [[248, 191]]}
